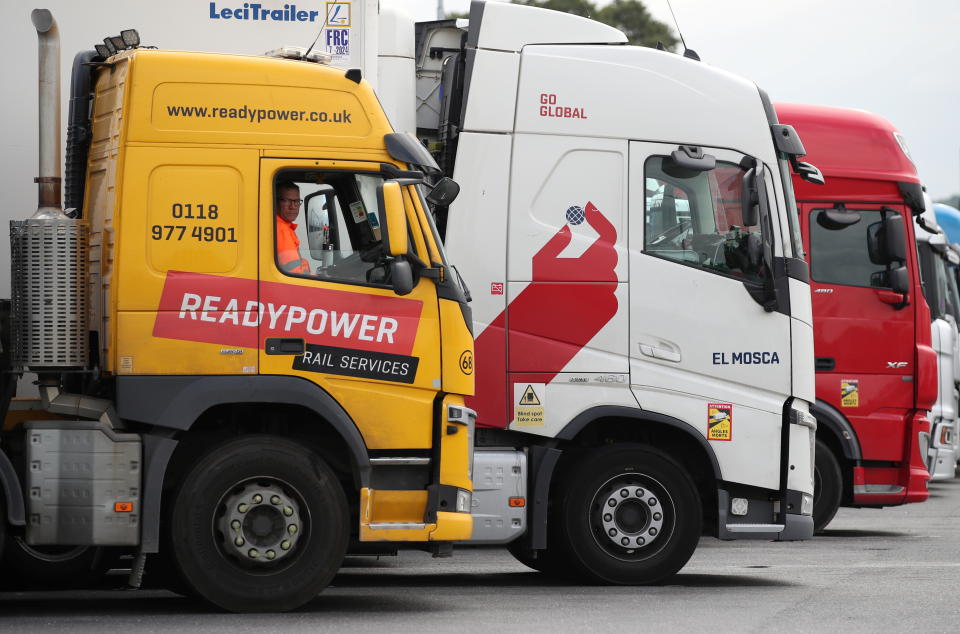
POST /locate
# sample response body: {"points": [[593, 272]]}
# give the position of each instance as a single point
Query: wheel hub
{"points": [[631, 517], [261, 523]]}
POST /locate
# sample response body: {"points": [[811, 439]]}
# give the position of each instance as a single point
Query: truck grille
{"points": [[49, 298]]}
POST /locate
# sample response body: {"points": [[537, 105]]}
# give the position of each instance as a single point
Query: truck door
{"points": [[702, 349], [864, 336], [328, 313]]}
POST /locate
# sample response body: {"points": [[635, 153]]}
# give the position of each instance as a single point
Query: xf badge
{"points": [[896, 364]]}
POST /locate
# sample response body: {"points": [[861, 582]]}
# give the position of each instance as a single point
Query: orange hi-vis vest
{"points": [[288, 248]]}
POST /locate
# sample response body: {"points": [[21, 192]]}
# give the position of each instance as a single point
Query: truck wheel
{"points": [[260, 524], [827, 486], [631, 515], [43, 567]]}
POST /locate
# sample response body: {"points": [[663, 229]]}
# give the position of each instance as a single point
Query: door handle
{"points": [[284, 345], [660, 353]]}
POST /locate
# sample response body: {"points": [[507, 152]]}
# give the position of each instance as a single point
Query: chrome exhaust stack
{"points": [[48, 252], [49, 203]]}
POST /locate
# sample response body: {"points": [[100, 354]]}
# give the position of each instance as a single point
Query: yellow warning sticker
{"points": [[528, 404], [849, 392], [719, 421]]}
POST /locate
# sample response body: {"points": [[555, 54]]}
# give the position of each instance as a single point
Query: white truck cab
{"points": [[940, 289], [641, 307]]}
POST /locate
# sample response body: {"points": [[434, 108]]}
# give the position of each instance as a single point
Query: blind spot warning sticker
{"points": [[850, 392], [719, 421], [528, 404]]}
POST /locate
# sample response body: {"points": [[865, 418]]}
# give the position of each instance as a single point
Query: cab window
{"points": [[840, 254], [696, 218], [328, 226]]}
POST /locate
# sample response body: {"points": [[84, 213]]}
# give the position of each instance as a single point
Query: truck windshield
{"points": [[953, 294], [793, 216]]}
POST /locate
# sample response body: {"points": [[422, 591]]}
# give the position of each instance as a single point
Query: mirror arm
{"points": [[392, 172]]}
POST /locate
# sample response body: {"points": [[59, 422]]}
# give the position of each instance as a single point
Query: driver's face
{"points": [[288, 203]]}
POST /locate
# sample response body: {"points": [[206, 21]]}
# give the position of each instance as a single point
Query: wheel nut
{"points": [[243, 507], [292, 529], [271, 554], [611, 502], [652, 501], [257, 499], [652, 531], [625, 541], [238, 541], [235, 525], [612, 532], [607, 517], [287, 511], [657, 517], [285, 544], [624, 493], [275, 499], [639, 493], [253, 553], [641, 541]]}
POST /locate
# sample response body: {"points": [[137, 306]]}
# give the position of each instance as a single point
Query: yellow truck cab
{"points": [[267, 353]]}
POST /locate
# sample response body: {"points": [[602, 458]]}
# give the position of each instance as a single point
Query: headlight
{"points": [[923, 441], [464, 416], [464, 500]]}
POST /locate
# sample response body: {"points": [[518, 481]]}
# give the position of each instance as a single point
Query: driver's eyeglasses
{"points": [[291, 201]]}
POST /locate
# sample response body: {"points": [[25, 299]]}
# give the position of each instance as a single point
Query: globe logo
{"points": [[575, 215]]}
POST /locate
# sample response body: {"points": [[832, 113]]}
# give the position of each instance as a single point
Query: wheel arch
{"points": [[834, 428], [606, 417], [177, 405], [599, 424]]}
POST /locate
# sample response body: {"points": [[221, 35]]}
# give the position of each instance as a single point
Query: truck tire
{"points": [[259, 524], [51, 567], [827, 486], [635, 494]]}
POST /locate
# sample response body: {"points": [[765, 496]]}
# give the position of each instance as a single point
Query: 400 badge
{"points": [[719, 421]]}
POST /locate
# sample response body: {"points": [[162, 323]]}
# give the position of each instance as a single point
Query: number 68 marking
{"points": [[466, 362]]}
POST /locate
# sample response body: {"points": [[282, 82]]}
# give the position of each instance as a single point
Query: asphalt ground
{"points": [[875, 570]]}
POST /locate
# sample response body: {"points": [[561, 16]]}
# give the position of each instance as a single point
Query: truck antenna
{"points": [[314, 42], [690, 53]]}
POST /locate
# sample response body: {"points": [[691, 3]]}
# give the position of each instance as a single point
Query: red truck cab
{"points": [[876, 372]]}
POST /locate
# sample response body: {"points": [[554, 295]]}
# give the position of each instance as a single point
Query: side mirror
{"points": [[938, 242], [895, 238], [809, 172], [886, 241], [750, 199], [787, 140], [836, 219], [900, 280], [444, 192], [401, 276], [390, 199], [691, 157]]}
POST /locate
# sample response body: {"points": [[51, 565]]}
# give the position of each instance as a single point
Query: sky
{"points": [[899, 59]]}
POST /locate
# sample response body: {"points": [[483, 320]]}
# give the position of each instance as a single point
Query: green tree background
{"points": [[630, 16]]}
